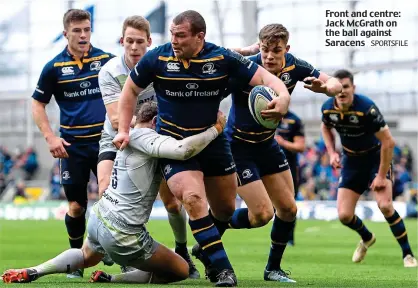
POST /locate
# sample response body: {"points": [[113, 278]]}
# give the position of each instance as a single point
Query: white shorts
{"points": [[125, 249]]}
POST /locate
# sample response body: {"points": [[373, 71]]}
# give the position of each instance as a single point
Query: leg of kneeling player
{"points": [[68, 261]]}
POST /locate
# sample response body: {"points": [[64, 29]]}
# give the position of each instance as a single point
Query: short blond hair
{"points": [[137, 22]]}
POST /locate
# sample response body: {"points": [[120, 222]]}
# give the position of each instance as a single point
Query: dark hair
{"points": [[75, 15], [273, 33], [137, 22], [342, 73], [197, 22], [147, 111]]}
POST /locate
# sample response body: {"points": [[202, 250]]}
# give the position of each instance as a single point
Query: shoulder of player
{"points": [[328, 104], [111, 66], [293, 116], [363, 103], [94, 52], [298, 62], [136, 133]]}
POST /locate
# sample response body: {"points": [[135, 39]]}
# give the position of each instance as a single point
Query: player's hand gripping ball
{"points": [[258, 99]]}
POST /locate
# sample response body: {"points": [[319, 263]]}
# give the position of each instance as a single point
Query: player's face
{"points": [[272, 55], [135, 44], [78, 34], [184, 43], [347, 94]]}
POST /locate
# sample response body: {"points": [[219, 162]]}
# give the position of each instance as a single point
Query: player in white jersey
{"points": [[117, 222], [135, 40]]}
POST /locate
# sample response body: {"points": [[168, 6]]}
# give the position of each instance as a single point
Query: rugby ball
{"points": [[258, 99]]}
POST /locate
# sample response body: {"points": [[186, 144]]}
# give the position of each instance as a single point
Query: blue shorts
{"points": [[82, 159], [358, 172], [215, 160], [257, 160]]}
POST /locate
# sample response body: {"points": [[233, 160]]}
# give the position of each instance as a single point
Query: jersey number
{"points": [[115, 176]]}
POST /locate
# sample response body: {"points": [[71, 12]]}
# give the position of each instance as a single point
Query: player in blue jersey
{"points": [[71, 77], [290, 135], [190, 77], [136, 38], [265, 181], [366, 164]]}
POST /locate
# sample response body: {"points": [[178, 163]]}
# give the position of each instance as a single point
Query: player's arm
{"points": [[249, 50], [111, 90], [376, 124], [161, 146], [41, 97], [317, 81], [329, 139], [139, 78], [325, 84], [386, 152], [297, 146], [278, 107]]}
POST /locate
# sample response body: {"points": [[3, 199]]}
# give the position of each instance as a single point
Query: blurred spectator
{"points": [[57, 193]]}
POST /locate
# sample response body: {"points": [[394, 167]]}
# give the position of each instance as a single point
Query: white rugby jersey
{"points": [[112, 77], [136, 178]]}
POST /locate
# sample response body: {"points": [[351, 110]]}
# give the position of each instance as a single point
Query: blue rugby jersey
{"points": [[356, 126], [290, 127], [74, 84], [189, 91], [241, 125]]}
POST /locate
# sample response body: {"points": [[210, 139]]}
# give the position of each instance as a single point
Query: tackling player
{"points": [[116, 224], [366, 163]]}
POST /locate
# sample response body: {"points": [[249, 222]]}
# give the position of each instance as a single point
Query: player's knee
{"points": [[173, 206], [75, 209], [288, 212], [345, 217], [194, 203], [386, 208], [263, 217], [223, 211]]}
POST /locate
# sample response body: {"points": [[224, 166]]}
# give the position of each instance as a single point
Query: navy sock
{"points": [[206, 234], [357, 225], [240, 219], [398, 229], [76, 228]]}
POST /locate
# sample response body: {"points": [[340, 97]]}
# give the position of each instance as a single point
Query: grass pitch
{"points": [[321, 257]]}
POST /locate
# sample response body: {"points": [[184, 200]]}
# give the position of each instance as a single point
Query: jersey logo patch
{"points": [[285, 77], [67, 71], [173, 67], [95, 66], [353, 119], [208, 68]]}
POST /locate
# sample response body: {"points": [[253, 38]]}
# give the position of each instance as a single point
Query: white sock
{"points": [[136, 276], [178, 223], [66, 262]]}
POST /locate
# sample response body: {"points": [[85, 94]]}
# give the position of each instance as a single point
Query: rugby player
{"points": [[290, 136], [265, 182], [366, 163], [116, 224], [190, 77], [72, 77], [136, 38]]}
